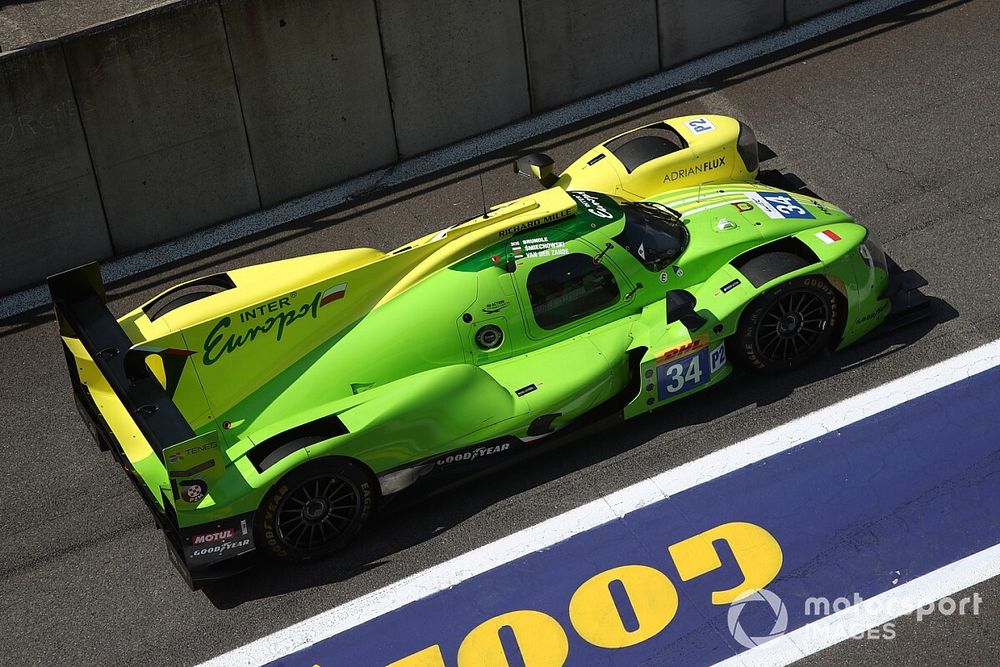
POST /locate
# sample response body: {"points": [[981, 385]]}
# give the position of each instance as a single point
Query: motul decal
{"points": [[215, 536]]}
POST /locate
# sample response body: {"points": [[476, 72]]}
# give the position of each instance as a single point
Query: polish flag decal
{"points": [[826, 236], [333, 294]]}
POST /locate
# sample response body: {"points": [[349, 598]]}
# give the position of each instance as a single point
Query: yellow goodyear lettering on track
{"points": [[595, 616], [540, 638], [756, 551], [429, 657]]}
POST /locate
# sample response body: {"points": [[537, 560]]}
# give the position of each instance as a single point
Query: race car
{"points": [[274, 408]]}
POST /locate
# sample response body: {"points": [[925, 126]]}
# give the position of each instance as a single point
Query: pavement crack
{"points": [[930, 188]]}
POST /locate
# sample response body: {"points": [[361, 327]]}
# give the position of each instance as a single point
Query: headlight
{"points": [[746, 145], [873, 255]]}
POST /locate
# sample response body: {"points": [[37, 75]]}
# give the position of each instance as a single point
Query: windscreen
{"points": [[653, 234]]}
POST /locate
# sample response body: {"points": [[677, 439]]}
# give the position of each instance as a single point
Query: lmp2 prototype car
{"points": [[273, 408]]}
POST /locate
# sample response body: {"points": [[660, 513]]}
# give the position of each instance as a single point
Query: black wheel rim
{"points": [[317, 512], [792, 326]]}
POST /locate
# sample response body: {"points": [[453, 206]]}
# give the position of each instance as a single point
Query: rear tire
{"points": [[314, 510], [788, 325]]}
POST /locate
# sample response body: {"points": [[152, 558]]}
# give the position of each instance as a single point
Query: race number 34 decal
{"points": [[778, 205], [687, 373]]}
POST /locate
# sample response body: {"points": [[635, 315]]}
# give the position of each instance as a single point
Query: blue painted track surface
{"points": [[891, 497]]}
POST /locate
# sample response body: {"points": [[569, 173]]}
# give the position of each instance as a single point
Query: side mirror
{"points": [[537, 165], [680, 308]]}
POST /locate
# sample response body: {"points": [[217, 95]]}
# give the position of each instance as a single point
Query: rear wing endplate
{"points": [[79, 302]]}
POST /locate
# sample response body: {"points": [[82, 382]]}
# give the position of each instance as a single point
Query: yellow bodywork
{"points": [[370, 279], [131, 439], [281, 299], [710, 156]]}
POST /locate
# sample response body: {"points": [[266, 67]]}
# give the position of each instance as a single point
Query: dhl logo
{"points": [[682, 350]]}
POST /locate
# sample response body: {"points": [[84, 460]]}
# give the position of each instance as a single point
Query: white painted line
{"points": [[611, 507], [442, 158], [842, 625]]}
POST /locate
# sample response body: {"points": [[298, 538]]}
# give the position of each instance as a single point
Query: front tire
{"points": [[314, 510], [788, 325]]}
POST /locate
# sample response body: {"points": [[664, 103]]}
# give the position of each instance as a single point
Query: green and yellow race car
{"points": [[274, 408]]}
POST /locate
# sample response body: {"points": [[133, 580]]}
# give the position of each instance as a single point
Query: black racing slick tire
{"points": [[788, 325], [314, 510]]}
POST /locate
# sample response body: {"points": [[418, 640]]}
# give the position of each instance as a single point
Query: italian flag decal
{"points": [[826, 236], [335, 293]]}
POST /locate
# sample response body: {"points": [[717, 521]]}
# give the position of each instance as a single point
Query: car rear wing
{"points": [[80, 305]]}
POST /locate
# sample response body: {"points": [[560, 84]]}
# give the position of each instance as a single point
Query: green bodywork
{"points": [[410, 385]]}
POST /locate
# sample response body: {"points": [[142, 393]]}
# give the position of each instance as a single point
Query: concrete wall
{"points": [[164, 125], [694, 28], [312, 83], [455, 69], [579, 47], [798, 10], [144, 129], [50, 211]]}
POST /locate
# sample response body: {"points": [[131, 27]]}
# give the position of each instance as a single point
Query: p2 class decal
{"points": [[717, 358], [699, 125], [780, 206]]}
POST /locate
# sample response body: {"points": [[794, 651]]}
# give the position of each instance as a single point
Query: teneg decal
{"points": [[708, 165], [699, 125], [779, 206]]}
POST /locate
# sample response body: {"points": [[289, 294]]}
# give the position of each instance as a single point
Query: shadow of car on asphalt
{"points": [[405, 527]]}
